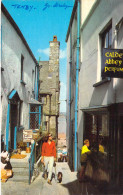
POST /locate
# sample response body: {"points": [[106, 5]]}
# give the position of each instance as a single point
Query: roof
{"points": [[10, 19], [33, 101], [71, 19]]}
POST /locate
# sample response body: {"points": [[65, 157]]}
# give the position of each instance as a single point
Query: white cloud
{"points": [[63, 53], [63, 85], [44, 51], [62, 91], [62, 97]]}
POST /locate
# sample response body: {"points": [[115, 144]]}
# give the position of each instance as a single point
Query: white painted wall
{"points": [[86, 6], [12, 48], [90, 49]]}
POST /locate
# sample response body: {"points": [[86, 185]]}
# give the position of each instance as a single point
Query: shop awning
{"points": [[96, 109]]}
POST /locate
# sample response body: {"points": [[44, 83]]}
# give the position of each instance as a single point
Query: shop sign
{"points": [[27, 135], [112, 63]]}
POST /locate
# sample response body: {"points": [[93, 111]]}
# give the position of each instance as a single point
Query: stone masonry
{"points": [[49, 90]]}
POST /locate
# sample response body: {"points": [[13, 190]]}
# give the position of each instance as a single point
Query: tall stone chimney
{"points": [[54, 55], [49, 89]]}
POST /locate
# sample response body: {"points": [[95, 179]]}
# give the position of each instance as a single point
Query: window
{"points": [[106, 37], [22, 73], [44, 123], [96, 130], [33, 80], [43, 99]]}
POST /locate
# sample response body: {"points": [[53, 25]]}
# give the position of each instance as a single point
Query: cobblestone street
{"points": [[69, 185]]}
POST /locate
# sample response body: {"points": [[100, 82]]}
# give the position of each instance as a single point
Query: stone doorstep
{"points": [[20, 171], [20, 168], [19, 178], [18, 164], [26, 159]]}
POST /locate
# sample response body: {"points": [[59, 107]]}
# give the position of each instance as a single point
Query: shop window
{"points": [[119, 28], [96, 130], [107, 38]]}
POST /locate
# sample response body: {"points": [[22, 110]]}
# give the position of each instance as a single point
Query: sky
{"points": [[39, 21]]}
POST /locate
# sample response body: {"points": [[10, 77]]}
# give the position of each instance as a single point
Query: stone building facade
{"points": [[49, 89]]}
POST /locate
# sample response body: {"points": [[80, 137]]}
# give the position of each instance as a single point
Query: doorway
{"points": [[121, 151], [15, 104], [13, 123]]}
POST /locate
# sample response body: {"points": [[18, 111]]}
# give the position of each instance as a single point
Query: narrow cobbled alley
{"points": [[69, 185]]}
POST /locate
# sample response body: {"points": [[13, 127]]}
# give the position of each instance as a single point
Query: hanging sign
{"points": [[112, 63], [27, 135]]}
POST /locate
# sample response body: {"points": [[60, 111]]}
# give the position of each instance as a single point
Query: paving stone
{"points": [[69, 185]]}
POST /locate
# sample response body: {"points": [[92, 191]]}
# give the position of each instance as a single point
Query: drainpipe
{"points": [[37, 79], [70, 90], [1, 41], [76, 92]]}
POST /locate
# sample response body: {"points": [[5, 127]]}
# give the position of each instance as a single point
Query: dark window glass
{"points": [[107, 39], [22, 74]]}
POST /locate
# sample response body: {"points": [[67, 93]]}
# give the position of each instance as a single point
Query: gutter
{"points": [[37, 92], [70, 63], [71, 20]]}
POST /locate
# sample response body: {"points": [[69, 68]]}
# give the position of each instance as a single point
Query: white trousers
{"points": [[48, 161]]}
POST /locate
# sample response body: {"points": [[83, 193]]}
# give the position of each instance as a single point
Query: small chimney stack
{"points": [[54, 38]]}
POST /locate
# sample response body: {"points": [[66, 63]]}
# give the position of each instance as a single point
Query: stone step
{"points": [[18, 178], [20, 164], [20, 171]]}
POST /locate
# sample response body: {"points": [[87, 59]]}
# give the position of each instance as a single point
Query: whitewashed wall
{"points": [[12, 48], [90, 72], [90, 69]]}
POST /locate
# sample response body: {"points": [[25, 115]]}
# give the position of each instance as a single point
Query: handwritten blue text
{"points": [[25, 7]]}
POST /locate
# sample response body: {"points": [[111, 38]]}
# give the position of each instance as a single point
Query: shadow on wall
{"points": [[100, 92]]}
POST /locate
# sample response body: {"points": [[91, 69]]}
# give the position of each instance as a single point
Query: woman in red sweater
{"points": [[49, 156]]}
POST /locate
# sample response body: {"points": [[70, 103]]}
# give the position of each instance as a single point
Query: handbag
{"points": [[83, 158]]}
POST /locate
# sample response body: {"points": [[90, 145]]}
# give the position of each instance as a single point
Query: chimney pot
{"points": [[54, 38]]}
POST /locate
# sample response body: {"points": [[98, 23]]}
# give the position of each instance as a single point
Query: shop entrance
{"points": [[121, 152]]}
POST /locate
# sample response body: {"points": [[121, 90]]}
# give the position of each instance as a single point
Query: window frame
{"points": [[22, 70], [106, 43]]}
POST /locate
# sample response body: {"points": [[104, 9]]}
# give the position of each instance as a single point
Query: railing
{"points": [[38, 146], [15, 138], [15, 135], [31, 161]]}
